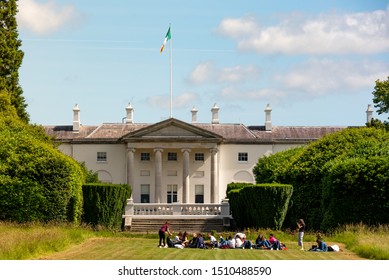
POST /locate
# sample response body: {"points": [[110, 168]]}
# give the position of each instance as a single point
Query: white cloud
{"points": [[179, 101], [45, 18], [208, 72], [326, 34], [202, 73], [325, 76]]}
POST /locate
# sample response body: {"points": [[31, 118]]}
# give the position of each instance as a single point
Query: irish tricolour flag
{"points": [[167, 38]]}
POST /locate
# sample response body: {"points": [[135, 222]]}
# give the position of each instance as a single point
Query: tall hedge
{"points": [[259, 206], [356, 190], [306, 168], [104, 204], [37, 181]]}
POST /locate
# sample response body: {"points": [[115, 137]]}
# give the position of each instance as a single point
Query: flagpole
{"points": [[171, 75]]}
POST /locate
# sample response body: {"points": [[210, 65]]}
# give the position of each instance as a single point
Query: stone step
{"points": [[189, 225]]}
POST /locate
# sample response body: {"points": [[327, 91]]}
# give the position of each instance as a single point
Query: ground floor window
{"points": [[171, 193], [145, 193], [199, 193]]}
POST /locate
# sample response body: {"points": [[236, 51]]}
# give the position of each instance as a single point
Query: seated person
{"points": [[178, 238], [212, 241], [200, 241], [262, 243], [193, 242], [223, 244], [231, 242], [185, 240], [275, 244], [320, 247]]}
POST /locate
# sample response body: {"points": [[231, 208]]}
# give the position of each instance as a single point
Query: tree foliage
{"points": [[11, 57], [37, 181], [381, 96], [308, 170]]}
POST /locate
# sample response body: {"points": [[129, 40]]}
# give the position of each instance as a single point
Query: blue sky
{"points": [[314, 62]]}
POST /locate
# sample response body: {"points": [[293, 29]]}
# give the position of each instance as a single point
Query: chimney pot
{"points": [[215, 114], [369, 113], [268, 125], [194, 114], [130, 113], [76, 118]]}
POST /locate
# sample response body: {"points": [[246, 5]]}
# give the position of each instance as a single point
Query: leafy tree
{"points": [[381, 96], [11, 57]]}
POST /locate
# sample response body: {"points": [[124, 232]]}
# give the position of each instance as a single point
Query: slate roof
{"points": [[231, 133]]}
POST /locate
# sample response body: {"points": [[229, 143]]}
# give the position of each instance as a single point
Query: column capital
{"points": [[213, 150], [157, 150], [186, 150], [131, 149]]}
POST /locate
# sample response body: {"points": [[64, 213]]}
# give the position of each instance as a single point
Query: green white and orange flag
{"points": [[167, 38]]}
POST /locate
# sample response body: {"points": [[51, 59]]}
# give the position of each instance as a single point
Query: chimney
{"points": [[76, 118], [215, 114], [268, 126], [194, 114], [369, 113], [129, 111]]}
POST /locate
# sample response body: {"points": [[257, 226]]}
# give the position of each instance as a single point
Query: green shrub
{"points": [[259, 206], [356, 190], [104, 204], [37, 181], [306, 167]]}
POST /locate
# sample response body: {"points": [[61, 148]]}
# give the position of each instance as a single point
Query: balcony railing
{"points": [[177, 210]]}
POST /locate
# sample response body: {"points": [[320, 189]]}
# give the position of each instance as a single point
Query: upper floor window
{"points": [[101, 156], [171, 156], [144, 156], [243, 157], [199, 156]]}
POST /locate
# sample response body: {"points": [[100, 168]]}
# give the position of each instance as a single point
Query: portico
{"points": [[173, 159]]}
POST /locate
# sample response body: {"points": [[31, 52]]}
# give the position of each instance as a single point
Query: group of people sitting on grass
{"points": [[238, 241]]}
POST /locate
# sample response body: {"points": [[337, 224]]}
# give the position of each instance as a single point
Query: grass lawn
{"points": [[121, 248]]}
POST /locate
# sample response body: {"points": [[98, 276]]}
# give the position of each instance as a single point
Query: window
{"points": [[171, 193], [243, 157], [101, 156], [145, 193], [144, 156], [199, 193], [172, 156], [199, 156]]}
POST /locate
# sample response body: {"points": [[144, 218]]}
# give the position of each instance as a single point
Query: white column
{"points": [[185, 176], [214, 181], [130, 167], [158, 175]]}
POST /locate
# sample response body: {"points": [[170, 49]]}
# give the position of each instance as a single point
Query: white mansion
{"points": [[177, 163]]}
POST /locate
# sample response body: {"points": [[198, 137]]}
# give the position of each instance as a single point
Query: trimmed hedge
{"points": [[259, 206], [356, 190], [104, 204]]}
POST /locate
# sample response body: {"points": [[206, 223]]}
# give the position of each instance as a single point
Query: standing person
{"points": [[301, 229], [162, 234]]}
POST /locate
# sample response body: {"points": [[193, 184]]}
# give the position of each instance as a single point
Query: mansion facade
{"points": [[173, 161]]}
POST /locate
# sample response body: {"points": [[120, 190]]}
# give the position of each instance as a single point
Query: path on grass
{"points": [[146, 249]]}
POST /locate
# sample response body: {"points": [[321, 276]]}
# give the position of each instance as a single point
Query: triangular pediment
{"points": [[172, 130]]}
